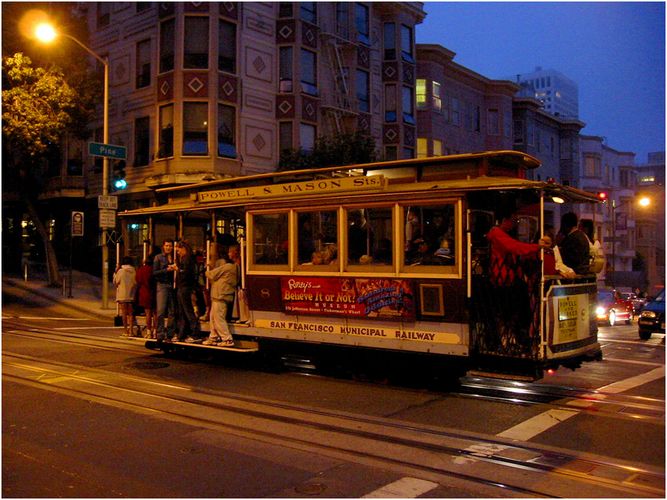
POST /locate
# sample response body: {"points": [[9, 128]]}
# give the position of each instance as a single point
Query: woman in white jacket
{"points": [[224, 280], [125, 281]]}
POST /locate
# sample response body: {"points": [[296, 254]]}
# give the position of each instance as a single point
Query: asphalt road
{"points": [[86, 414]]}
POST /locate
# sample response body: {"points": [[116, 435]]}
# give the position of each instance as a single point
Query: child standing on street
{"points": [[125, 281]]}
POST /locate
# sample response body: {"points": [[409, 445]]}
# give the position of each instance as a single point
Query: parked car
{"points": [[637, 301], [612, 308], [652, 317]]}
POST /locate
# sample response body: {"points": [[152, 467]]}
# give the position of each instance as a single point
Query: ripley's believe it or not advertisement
{"points": [[379, 298]]}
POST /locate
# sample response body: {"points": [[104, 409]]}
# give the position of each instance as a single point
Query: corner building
{"points": [[202, 91]]}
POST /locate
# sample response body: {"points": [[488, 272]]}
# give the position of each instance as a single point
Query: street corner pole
{"points": [[105, 189]]}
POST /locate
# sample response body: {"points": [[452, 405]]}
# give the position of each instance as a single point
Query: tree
{"points": [[337, 150], [37, 108]]}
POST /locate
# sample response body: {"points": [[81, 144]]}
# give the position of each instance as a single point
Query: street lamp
{"points": [[643, 202], [46, 33]]}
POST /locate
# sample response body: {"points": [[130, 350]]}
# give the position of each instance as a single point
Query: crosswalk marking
{"points": [[406, 487], [632, 382], [536, 425]]}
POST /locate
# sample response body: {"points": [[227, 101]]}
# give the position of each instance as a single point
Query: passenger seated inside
{"points": [[446, 251]]}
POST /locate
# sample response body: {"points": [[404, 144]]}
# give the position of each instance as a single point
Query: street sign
{"points": [[77, 223], [107, 218], [107, 150], [107, 201]]}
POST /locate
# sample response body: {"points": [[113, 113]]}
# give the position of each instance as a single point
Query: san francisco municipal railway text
{"points": [[353, 330]]}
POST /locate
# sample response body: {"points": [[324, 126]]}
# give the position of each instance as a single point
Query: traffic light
{"points": [[118, 182], [602, 196]]}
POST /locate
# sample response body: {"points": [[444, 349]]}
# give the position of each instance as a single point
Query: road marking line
{"points": [[52, 319], [536, 425], [632, 382], [86, 327], [406, 487], [632, 361]]}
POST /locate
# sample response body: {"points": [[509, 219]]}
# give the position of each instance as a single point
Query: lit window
{"points": [[195, 128], [437, 147], [422, 147], [421, 93]]}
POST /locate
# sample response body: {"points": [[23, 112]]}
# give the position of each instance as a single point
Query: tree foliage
{"points": [[37, 107], [342, 149]]}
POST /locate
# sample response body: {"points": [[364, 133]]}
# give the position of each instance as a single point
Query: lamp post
{"points": [[46, 33], [643, 202]]}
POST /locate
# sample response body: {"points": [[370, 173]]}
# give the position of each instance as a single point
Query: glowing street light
{"points": [[643, 202], [47, 33]]}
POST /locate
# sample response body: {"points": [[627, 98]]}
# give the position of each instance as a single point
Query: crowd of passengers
{"points": [[170, 287]]}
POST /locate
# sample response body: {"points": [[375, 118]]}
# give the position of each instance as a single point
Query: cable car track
{"points": [[593, 402], [386, 442]]}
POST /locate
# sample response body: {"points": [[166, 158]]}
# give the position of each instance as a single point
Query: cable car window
{"points": [[430, 235], [317, 237], [369, 236], [269, 239]]}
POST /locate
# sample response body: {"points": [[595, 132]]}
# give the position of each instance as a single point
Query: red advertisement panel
{"points": [[378, 298]]}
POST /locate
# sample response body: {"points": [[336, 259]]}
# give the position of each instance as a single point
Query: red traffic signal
{"points": [[602, 196]]}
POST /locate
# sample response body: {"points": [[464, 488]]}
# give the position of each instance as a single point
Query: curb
{"points": [[63, 302]]}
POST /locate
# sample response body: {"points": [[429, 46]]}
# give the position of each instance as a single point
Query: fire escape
{"points": [[339, 104]]}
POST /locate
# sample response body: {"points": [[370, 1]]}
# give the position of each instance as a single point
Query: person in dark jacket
{"points": [[574, 246], [165, 300], [186, 282]]}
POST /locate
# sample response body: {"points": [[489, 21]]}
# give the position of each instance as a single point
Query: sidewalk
{"points": [[86, 292]]}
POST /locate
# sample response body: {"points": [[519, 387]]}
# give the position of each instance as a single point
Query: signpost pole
{"points": [[105, 191]]}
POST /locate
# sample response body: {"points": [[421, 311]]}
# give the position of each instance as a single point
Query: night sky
{"points": [[614, 51]]}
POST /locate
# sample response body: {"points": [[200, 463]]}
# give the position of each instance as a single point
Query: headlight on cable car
{"points": [[601, 311], [648, 314]]}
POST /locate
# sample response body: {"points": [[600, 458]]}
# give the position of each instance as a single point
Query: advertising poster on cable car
{"points": [[374, 298]]}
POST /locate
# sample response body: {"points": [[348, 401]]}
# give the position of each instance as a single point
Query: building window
{"points": [[390, 153], [307, 137], [389, 41], [227, 47], [285, 139], [343, 20], [456, 111], [591, 166], [437, 147], [408, 109], [422, 147], [195, 43], [226, 131], [518, 132], [437, 100], [285, 70], [166, 148], [195, 128], [507, 123], [390, 103], [363, 91], [285, 9], [361, 21], [492, 123], [167, 45], [469, 116], [308, 72], [308, 12], [477, 119], [143, 64], [406, 44], [408, 153], [141, 141], [421, 93], [103, 14]]}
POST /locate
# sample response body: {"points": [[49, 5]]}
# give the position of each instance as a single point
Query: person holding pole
{"points": [[223, 277], [163, 273]]}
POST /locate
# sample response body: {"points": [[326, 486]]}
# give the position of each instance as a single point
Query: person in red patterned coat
{"points": [[503, 266]]}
